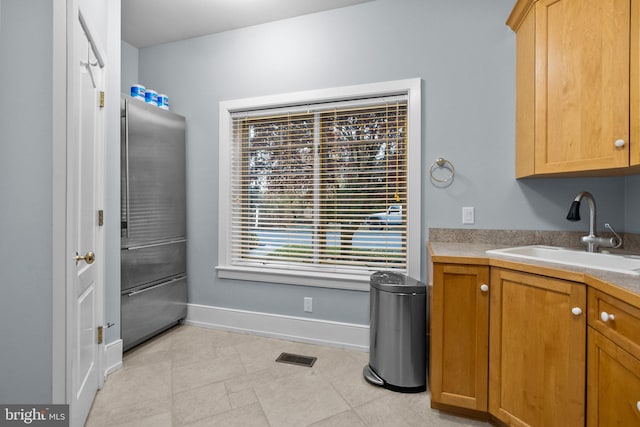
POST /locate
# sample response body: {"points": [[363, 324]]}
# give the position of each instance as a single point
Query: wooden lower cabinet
{"points": [[459, 338], [537, 358], [522, 349], [613, 393]]}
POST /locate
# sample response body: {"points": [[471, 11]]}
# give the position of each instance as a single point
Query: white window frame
{"points": [[411, 87]]}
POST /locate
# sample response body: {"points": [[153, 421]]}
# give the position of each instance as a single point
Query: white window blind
{"points": [[320, 187]]}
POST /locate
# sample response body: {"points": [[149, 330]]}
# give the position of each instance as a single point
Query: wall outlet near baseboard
{"points": [[308, 304]]}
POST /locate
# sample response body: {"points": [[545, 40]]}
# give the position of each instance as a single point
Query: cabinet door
{"points": [[634, 149], [582, 84], [613, 395], [537, 350], [459, 336]]}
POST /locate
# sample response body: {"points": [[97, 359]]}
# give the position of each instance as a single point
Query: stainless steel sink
{"points": [[627, 264]]}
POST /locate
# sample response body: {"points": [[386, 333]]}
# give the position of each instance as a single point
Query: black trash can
{"points": [[397, 333]]}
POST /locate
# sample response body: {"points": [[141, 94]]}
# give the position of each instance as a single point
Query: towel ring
{"points": [[442, 163]]}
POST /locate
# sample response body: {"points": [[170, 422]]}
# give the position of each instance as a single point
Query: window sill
{"points": [[355, 282]]}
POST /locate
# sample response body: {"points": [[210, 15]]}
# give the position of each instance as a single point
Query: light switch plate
{"points": [[468, 215], [308, 304]]}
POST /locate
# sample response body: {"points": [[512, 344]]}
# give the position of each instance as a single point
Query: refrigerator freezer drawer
{"points": [[150, 263], [149, 311]]}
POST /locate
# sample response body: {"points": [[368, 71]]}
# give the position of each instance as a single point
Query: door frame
{"points": [[64, 157]]}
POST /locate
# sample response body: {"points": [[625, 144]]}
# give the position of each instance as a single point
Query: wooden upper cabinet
{"points": [[634, 61], [574, 94]]}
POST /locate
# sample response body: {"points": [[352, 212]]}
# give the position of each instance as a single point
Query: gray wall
{"points": [[26, 193], [129, 75], [465, 56], [632, 204]]}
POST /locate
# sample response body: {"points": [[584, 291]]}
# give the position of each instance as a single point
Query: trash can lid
{"points": [[395, 282]]}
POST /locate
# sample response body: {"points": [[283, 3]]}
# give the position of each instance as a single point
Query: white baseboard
{"points": [[314, 331], [112, 357]]}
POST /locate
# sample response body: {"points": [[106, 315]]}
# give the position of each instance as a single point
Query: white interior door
{"points": [[86, 193]]}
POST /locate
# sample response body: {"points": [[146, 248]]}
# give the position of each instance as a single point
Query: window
{"points": [[316, 187]]}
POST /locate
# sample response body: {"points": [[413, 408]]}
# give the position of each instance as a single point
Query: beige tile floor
{"points": [[192, 376]]}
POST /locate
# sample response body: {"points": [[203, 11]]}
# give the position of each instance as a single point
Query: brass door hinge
{"points": [[100, 217], [101, 99], [100, 329]]}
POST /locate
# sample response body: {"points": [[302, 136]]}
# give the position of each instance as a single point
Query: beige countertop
{"points": [[622, 286]]}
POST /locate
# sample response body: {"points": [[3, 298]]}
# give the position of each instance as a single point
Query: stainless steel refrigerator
{"points": [[153, 220]]}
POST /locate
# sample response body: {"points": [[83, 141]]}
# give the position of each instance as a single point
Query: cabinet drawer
{"points": [[149, 311], [615, 319]]}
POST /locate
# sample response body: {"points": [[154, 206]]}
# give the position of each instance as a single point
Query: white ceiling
{"points": [[150, 22]]}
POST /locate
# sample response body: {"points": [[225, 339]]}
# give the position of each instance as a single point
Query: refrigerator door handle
{"points": [[150, 288], [153, 245]]}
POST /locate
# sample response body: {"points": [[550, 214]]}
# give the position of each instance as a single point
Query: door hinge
{"points": [[100, 329], [100, 217], [101, 99]]}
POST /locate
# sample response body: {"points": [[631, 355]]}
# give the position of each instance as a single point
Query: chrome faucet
{"points": [[592, 241]]}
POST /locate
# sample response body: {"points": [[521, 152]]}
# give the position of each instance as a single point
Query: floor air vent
{"points": [[296, 359]]}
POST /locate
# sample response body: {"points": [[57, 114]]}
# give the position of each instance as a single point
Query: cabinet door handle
{"points": [[577, 311], [605, 317], [619, 143], [484, 287], [638, 405]]}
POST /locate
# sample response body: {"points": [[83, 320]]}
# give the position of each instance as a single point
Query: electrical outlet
{"points": [[308, 304], [468, 215]]}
